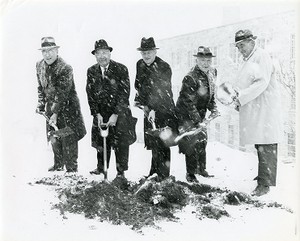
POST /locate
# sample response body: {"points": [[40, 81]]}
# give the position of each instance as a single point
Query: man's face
{"points": [[245, 47], [103, 57], [204, 63], [50, 55], [149, 56]]}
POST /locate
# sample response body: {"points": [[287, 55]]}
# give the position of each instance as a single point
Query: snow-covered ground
{"points": [[27, 214]]}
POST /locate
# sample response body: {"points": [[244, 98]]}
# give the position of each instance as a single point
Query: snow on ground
{"points": [[27, 214]]}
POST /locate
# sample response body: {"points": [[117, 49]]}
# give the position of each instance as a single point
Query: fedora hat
{"points": [[101, 44], [204, 52], [241, 35], [48, 43], [147, 44]]}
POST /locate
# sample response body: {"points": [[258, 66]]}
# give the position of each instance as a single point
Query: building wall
{"points": [[276, 33]]}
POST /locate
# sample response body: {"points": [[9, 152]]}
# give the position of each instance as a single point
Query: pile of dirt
{"points": [[144, 203]]}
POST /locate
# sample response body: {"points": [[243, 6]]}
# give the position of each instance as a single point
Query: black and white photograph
{"points": [[160, 120]]}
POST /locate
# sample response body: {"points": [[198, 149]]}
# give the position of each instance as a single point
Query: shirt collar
{"points": [[103, 68]]}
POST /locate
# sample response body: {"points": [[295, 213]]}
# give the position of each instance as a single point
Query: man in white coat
{"points": [[258, 103]]}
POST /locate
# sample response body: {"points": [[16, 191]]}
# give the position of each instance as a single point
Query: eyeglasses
{"points": [[49, 51]]}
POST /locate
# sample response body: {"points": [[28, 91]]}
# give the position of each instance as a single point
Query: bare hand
{"points": [[237, 105], [112, 120], [151, 116], [202, 125], [100, 120], [53, 119], [38, 110]]}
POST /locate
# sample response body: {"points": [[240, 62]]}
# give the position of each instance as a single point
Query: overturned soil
{"points": [[144, 203]]}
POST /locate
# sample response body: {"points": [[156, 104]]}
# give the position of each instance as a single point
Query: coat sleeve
{"points": [[260, 75], [63, 87], [123, 91], [167, 76], [141, 95], [187, 99], [41, 93], [212, 106], [91, 93]]}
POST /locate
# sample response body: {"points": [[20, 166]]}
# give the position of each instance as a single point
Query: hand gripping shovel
{"points": [[57, 133], [226, 94], [104, 129]]}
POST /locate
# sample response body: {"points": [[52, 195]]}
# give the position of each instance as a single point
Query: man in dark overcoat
{"points": [[108, 90], [197, 95], [57, 99], [155, 97]]}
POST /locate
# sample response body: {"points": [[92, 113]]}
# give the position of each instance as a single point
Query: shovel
{"points": [[104, 129], [57, 133], [171, 139], [226, 94]]}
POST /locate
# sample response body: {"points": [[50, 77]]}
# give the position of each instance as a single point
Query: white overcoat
{"points": [[259, 95]]}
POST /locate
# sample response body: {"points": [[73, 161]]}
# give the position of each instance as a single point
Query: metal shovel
{"points": [[57, 133], [104, 129]]}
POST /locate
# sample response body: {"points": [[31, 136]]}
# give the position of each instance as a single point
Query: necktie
{"points": [[104, 72]]}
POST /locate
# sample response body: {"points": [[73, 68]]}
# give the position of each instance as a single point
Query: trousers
{"points": [[121, 152], [196, 160], [65, 151], [267, 164], [160, 162]]}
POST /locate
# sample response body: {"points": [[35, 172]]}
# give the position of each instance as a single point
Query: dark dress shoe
{"points": [[260, 190], [120, 174], [55, 168], [96, 172], [191, 178], [205, 174], [71, 171]]}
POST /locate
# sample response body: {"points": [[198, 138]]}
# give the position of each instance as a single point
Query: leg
{"points": [[202, 158], [122, 153], [267, 164], [191, 163], [100, 152], [58, 155], [267, 168], [153, 168], [163, 157], [100, 163], [70, 152], [202, 161]]}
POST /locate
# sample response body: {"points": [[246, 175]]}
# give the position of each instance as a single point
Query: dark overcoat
{"points": [[57, 94], [196, 96], [107, 96], [154, 89]]}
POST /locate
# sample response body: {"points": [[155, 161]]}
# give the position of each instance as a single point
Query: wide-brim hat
{"points": [[101, 44], [48, 43], [242, 35], [204, 52], [147, 44]]}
